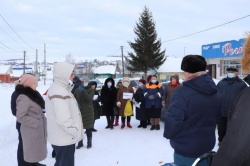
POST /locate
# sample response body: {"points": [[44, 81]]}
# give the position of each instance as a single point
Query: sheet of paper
{"points": [[95, 97], [127, 95]]}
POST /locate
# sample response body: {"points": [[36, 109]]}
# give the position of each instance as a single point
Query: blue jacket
{"points": [[229, 88], [157, 92], [192, 117]]}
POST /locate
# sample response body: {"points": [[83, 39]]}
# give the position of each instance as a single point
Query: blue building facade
{"points": [[221, 55], [233, 48]]}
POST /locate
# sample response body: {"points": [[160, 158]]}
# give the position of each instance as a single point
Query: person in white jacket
{"points": [[65, 127]]}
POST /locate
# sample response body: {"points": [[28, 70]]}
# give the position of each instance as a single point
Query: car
{"points": [[99, 84]]}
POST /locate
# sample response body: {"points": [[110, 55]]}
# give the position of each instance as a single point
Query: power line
{"points": [[206, 29], [12, 38], [9, 48], [15, 32]]}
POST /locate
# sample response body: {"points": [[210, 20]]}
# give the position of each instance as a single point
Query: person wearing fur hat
{"points": [[29, 114], [153, 102], [125, 89], [193, 114], [140, 104], [108, 100], [169, 90], [65, 127], [234, 149], [229, 88], [84, 96]]}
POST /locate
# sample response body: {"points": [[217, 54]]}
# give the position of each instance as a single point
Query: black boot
{"points": [[80, 145], [157, 127], [152, 127], [89, 143], [140, 124], [53, 154]]}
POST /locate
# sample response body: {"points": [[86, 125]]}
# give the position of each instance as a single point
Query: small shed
{"points": [[5, 71]]}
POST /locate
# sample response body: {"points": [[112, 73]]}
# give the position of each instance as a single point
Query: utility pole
{"points": [[24, 57], [36, 63], [122, 62], [44, 69]]}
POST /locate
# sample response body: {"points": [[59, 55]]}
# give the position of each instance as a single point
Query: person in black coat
{"points": [[140, 104], [77, 82], [108, 100], [96, 105], [229, 88]]}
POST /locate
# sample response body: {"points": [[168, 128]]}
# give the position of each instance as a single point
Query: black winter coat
{"points": [[108, 98], [139, 98], [13, 107], [96, 105], [235, 147], [229, 88]]}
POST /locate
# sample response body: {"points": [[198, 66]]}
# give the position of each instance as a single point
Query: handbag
{"points": [[128, 111]]}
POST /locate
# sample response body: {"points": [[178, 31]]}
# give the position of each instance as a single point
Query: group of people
{"points": [[193, 110], [71, 105]]}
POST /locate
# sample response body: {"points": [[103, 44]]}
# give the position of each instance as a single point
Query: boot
{"points": [[116, 121], [152, 127], [123, 125], [89, 143], [157, 127], [140, 124], [128, 124], [94, 130], [53, 154], [80, 144]]}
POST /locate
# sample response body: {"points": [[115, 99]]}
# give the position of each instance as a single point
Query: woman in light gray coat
{"points": [[33, 122]]}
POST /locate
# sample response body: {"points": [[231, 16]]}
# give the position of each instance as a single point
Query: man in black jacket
{"points": [[229, 88]]}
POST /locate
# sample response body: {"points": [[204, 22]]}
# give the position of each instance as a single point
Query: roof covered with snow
{"points": [[5, 69], [171, 64], [107, 69]]}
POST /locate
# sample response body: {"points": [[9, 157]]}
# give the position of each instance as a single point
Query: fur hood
{"points": [[30, 93]]}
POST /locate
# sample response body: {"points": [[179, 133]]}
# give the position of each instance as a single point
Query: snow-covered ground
{"points": [[127, 147]]}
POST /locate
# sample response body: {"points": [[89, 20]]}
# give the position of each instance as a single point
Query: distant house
{"points": [[105, 71], [5, 71], [171, 66]]}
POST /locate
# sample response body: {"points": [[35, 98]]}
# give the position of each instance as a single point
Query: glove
{"points": [[151, 97], [158, 93], [118, 104]]}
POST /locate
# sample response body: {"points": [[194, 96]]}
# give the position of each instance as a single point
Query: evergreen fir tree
{"points": [[147, 49]]}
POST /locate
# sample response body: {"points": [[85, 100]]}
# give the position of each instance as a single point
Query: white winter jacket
{"points": [[63, 115]]}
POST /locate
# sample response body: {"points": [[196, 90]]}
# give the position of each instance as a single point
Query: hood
{"points": [[203, 84], [107, 80], [176, 77], [62, 72]]}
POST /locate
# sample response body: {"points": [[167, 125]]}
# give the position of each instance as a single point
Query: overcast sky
{"points": [[97, 28]]}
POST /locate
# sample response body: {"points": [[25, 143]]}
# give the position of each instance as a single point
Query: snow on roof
{"points": [[5, 69], [171, 64], [19, 73], [107, 69]]}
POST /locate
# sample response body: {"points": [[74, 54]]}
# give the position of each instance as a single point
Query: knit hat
{"points": [[142, 81], [124, 79], [193, 63], [28, 80]]}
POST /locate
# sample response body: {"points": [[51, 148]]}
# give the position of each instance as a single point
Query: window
{"points": [[226, 63]]}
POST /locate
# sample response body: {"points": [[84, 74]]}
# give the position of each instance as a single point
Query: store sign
{"points": [[231, 48]]}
